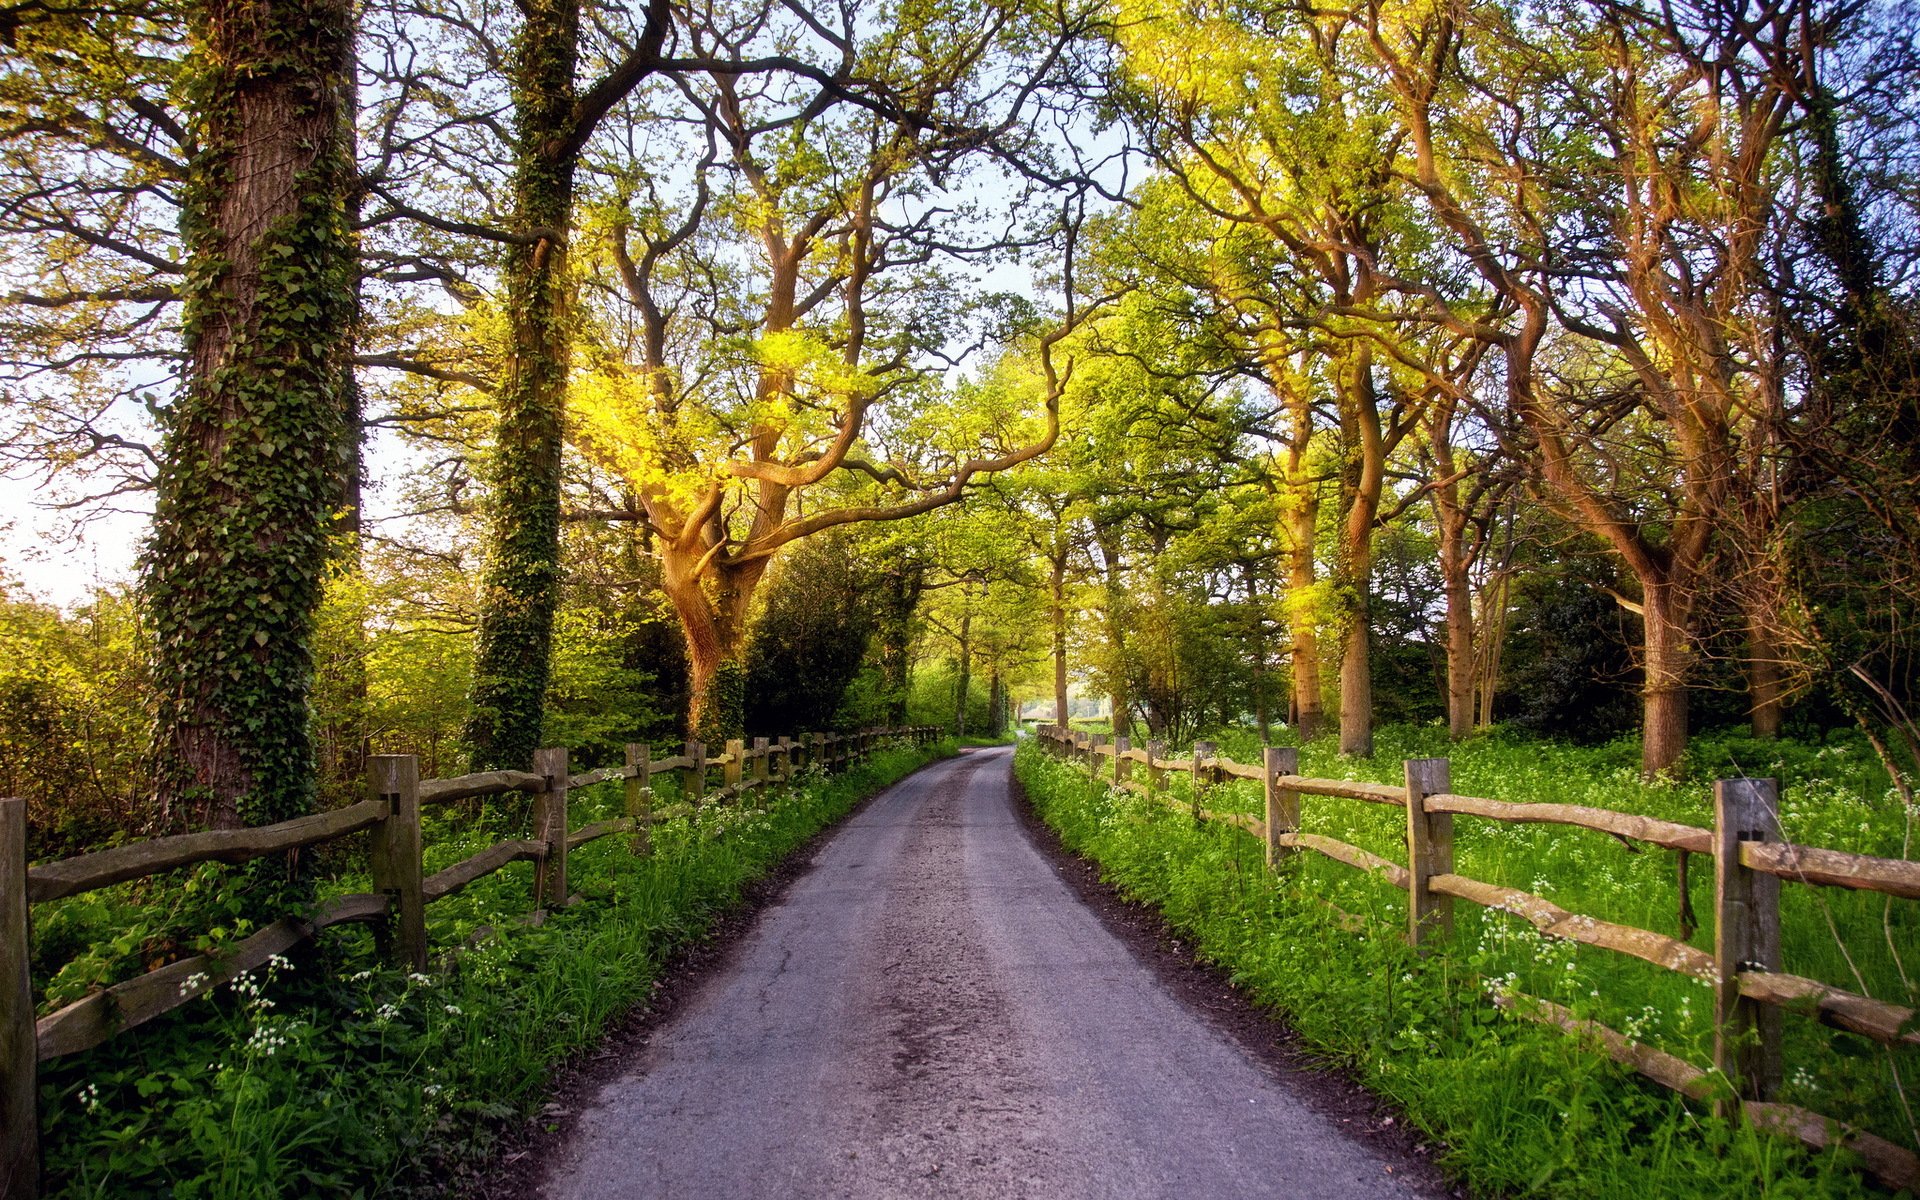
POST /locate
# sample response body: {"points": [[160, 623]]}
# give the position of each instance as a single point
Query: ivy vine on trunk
{"points": [[251, 458]]}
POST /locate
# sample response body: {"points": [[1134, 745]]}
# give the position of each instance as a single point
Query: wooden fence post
{"points": [[1156, 774], [1094, 742], [550, 826], [1122, 765], [736, 758], [693, 777], [19, 1049], [1283, 804], [762, 764], [1429, 849], [394, 779], [640, 796], [785, 752], [1203, 753], [1746, 1033]]}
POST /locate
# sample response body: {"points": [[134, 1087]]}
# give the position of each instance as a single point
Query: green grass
{"points": [[332, 1075], [1526, 1110]]}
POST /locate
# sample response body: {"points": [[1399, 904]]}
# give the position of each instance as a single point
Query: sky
{"points": [[44, 557]]}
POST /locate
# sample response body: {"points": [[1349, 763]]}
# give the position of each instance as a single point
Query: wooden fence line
{"points": [[1751, 993], [396, 908]]}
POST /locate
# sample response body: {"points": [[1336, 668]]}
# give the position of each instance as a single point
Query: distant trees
{"points": [[771, 312], [1412, 312], [1440, 291]]}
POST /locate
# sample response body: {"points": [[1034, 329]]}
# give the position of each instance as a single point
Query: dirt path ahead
{"points": [[930, 1011]]}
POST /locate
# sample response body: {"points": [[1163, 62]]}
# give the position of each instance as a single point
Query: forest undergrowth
{"points": [[1521, 1109], [330, 1074]]}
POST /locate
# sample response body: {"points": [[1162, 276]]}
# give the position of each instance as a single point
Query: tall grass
{"points": [[332, 1075], [1523, 1109]]}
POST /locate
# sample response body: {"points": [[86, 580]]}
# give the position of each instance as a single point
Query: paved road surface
{"points": [[931, 1012]]}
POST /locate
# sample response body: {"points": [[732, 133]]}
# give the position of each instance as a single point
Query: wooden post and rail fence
{"points": [[396, 907], [1750, 857]]}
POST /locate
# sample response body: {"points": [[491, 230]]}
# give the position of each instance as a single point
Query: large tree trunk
{"points": [[713, 618], [250, 467], [1303, 519], [521, 583], [1668, 665], [1460, 656], [1766, 682], [1362, 483]]}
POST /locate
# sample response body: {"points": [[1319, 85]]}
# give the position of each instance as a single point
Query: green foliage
{"points": [[331, 1075], [823, 607], [597, 701], [521, 590], [725, 714], [73, 719], [1519, 1109]]}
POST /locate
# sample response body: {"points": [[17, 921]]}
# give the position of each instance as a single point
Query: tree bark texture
{"points": [[1301, 526], [251, 461], [1361, 485], [521, 583]]}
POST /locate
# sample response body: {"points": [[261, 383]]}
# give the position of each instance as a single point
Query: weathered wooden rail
{"points": [[1750, 859], [396, 907]]}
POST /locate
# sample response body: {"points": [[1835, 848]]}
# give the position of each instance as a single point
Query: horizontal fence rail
{"points": [[396, 908], [1750, 861]]}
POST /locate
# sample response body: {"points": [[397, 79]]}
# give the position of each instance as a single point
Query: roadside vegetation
{"points": [[1520, 1109], [331, 1074]]}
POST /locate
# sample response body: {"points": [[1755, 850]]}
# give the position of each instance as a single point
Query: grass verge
{"points": [[331, 1075], [1522, 1110]]}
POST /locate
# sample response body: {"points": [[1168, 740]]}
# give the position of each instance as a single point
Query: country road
{"points": [[931, 1011]]}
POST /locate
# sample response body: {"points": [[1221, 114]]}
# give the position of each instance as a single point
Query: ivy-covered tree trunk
{"points": [[250, 467], [522, 576]]}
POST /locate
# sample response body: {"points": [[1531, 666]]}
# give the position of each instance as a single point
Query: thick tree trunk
{"points": [[1668, 665], [1362, 484], [714, 624], [250, 468], [1460, 657], [996, 704], [1766, 683], [1356, 686], [521, 584]]}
